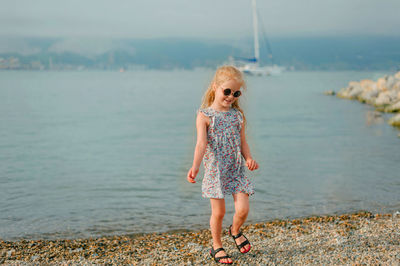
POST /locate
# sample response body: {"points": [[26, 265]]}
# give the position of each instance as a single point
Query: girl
{"points": [[221, 140]]}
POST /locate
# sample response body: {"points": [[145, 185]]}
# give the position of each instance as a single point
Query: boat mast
{"points": [[255, 28]]}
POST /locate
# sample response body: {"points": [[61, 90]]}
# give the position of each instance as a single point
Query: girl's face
{"points": [[223, 100]]}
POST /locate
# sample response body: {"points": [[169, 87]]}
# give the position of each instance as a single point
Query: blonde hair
{"points": [[223, 74]]}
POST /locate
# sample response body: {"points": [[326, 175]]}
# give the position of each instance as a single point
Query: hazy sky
{"points": [[214, 19]]}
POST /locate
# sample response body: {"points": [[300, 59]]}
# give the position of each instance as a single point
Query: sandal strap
{"points": [[223, 257], [237, 236], [217, 259], [244, 243], [214, 252]]}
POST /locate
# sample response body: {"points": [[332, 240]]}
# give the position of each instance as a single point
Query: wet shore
{"points": [[360, 237]]}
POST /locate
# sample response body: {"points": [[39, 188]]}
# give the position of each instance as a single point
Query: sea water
{"points": [[87, 154]]}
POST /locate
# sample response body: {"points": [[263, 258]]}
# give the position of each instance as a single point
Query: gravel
{"points": [[357, 238]]}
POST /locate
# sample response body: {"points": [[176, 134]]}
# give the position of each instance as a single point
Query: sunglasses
{"points": [[229, 91]]}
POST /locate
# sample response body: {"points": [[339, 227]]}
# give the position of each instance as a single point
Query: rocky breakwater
{"points": [[384, 94]]}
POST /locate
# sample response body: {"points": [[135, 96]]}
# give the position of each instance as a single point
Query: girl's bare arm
{"points": [[201, 144], [245, 149], [244, 146], [201, 124]]}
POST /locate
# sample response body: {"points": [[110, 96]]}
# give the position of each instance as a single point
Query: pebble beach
{"points": [[347, 239]]}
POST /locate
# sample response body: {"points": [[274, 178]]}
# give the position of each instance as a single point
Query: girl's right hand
{"points": [[192, 174]]}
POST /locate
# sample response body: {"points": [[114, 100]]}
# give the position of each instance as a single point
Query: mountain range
{"points": [[306, 53]]}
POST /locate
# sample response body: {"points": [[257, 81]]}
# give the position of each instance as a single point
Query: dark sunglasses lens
{"points": [[237, 94], [227, 91]]}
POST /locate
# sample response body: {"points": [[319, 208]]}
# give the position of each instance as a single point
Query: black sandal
{"points": [[241, 245], [217, 259]]}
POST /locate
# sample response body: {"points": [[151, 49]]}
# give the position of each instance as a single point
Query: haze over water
{"points": [[99, 153]]}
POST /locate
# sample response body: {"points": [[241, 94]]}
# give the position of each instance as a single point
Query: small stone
{"points": [[329, 92], [10, 252]]}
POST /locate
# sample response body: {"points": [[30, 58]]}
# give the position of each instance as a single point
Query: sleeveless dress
{"points": [[224, 168]]}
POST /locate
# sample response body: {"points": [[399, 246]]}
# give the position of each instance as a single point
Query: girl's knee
{"points": [[242, 212], [217, 208], [218, 214]]}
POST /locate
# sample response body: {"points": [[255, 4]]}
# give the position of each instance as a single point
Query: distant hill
{"points": [[317, 53], [345, 53]]}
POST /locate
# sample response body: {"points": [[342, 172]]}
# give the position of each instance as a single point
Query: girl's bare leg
{"points": [[217, 215], [241, 211]]}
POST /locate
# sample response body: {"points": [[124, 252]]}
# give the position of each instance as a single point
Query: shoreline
{"points": [[359, 237]]}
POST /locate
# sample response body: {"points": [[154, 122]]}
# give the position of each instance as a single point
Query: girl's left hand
{"points": [[251, 164]]}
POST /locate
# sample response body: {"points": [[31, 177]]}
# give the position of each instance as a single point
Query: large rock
{"points": [[381, 84], [390, 81], [395, 120], [343, 93], [355, 90], [369, 94], [393, 108], [386, 98], [351, 92], [396, 85], [367, 83]]}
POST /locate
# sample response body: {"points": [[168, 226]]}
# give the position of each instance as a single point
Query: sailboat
{"points": [[251, 66]]}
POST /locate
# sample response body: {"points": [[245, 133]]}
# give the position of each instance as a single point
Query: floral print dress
{"points": [[224, 169]]}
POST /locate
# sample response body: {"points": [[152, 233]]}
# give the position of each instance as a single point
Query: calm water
{"points": [[98, 153]]}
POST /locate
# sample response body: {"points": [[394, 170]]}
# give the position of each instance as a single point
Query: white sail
{"points": [[251, 65]]}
